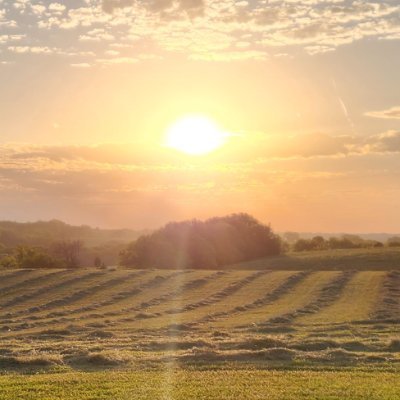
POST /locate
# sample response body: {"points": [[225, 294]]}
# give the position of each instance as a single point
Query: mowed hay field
{"points": [[167, 334]]}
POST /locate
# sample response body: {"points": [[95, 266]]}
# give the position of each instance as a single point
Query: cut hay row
{"points": [[46, 291], [246, 284], [280, 284], [35, 286], [256, 292], [103, 295], [29, 279], [181, 304], [139, 313], [101, 288], [327, 295], [357, 301], [56, 317], [128, 301], [169, 282], [10, 277], [196, 292], [175, 285], [35, 303], [389, 307], [183, 315]]}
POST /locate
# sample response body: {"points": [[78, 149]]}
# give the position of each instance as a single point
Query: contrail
{"points": [[343, 107]]}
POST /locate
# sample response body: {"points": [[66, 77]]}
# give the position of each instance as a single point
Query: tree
{"points": [[341, 243], [34, 257], [203, 244], [69, 252], [302, 245], [98, 263], [318, 243]]}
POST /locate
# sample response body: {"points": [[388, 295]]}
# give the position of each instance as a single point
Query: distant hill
{"points": [[102, 244], [40, 233], [381, 237]]}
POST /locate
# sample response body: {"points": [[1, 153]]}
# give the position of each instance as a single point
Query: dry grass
{"points": [[125, 319]]}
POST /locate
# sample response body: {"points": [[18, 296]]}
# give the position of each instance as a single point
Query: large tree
{"points": [[203, 244]]}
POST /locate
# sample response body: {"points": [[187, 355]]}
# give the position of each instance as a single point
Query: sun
{"points": [[195, 135]]}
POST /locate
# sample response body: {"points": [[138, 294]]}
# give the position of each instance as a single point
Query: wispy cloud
{"points": [[391, 113]]}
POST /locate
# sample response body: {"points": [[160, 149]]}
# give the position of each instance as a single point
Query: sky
{"points": [[306, 94]]}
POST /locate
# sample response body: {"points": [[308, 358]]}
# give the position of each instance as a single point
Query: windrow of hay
{"points": [[389, 309]]}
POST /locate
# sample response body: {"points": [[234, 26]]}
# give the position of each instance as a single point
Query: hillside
{"points": [[104, 245], [40, 233], [360, 259]]}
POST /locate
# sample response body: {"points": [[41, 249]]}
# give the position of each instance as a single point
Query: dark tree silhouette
{"points": [[197, 244]]}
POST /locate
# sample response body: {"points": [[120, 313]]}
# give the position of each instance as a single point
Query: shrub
{"points": [[34, 257], [8, 262]]}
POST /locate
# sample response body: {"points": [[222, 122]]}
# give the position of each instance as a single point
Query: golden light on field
{"points": [[195, 134]]}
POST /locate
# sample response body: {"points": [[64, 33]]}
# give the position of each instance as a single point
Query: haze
{"points": [[307, 92]]}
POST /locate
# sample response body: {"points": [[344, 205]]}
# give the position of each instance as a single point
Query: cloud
{"points": [[80, 65], [207, 30], [57, 7], [246, 149], [388, 142], [110, 5], [149, 156], [391, 113], [117, 60], [140, 185], [10, 38], [191, 7], [31, 49]]}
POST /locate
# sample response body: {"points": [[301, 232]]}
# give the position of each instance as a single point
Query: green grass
{"points": [[218, 385]]}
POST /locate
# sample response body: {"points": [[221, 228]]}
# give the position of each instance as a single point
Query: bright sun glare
{"points": [[195, 135]]}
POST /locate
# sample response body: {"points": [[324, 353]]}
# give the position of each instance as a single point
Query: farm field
{"points": [[125, 334]]}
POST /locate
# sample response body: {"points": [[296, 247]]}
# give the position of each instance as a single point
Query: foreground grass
{"points": [[218, 385]]}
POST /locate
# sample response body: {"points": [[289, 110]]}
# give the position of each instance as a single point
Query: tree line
{"points": [[342, 242], [213, 243], [55, 244], [62, 254]]}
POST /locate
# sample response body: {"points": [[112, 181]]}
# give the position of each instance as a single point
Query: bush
{"points": [[8, 262], [35, 257], [316, 243]]}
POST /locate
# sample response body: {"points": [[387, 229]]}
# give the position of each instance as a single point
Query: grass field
{"points": [[210, 385], [267, 333]]}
